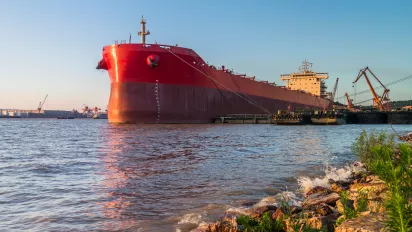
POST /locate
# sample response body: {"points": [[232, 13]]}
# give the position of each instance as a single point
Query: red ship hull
{"points": [[177, 86]]}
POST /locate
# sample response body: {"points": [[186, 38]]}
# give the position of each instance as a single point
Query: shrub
{"points": [[364, 145], [395, 170], [265, 223]]}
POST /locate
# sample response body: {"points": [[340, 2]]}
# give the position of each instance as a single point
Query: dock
{"points": [[245, 119], [371, 117]]}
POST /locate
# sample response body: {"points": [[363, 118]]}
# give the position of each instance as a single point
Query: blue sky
{"points": [[52, 47]]}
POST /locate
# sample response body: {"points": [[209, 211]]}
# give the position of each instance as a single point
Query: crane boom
{"points": [[377, 99], [334, 89], [42, 103], [350, 104]]}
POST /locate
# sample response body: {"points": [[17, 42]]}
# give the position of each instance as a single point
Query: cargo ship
{"points": [[154, 83]]}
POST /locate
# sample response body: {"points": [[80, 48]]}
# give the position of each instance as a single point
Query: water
{"points": [[88, 175]]}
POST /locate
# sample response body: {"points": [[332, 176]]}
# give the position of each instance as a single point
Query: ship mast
{"points": [[306, 67], [143, 33]]}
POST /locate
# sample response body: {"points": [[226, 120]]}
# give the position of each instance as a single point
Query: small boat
{"points": [[65, 117], [10, 116], [100, 116], [328, 118], [290, 118]]}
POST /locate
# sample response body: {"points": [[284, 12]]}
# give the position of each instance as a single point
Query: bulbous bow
{"points": [[102, 65]]}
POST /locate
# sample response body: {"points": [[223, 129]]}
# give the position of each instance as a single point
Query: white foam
{"points": [[275, 200], [337, 174], [191, 218], [239, 210]]}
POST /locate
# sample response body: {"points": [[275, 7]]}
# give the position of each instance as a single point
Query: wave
{"points": [[337, 174]]}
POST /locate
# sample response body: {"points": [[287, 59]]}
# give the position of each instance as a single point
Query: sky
{"points": [[52, 47]]}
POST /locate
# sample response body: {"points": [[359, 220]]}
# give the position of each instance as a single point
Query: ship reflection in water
{"points": [[145, 174], [168, 177]]}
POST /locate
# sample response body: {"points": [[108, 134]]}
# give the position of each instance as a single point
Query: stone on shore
{"points": [[258, 212], [369, 223], [277, 214], [313, 220], [373, 179], [318, 189], [374, 190], [319, 198], [337, 188], [223, 226], [322, 209], [349, 205]]}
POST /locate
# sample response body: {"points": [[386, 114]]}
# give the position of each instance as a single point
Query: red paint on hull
{"points": [[172, 91]]}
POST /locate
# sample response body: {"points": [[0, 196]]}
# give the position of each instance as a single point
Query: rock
{"points": [[295, 209], [223, 226], [344, 183], [259, 211], [316, 199], [318, 189], [337, 188], [289, 211], [365, 213], [323, 209], [349, 205], [373, 179], [376, 206], [312, 220], [278, 213], [369, 223], [374, 190]]}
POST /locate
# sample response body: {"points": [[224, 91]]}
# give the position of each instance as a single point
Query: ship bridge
{"points": [[306, 80]]}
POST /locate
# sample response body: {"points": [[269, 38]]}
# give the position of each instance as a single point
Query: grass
{"points": [[349, 211], [265, 223], [395, 170], [392, 163], [364, 145]]}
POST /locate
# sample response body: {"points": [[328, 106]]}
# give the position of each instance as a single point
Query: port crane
{"points": [[381, 102], [42, 103], [334, 90], [96, 110], [86, 109], [351, 107]]}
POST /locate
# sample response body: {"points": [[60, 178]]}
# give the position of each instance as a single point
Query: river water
{"points": [[89, 175]]}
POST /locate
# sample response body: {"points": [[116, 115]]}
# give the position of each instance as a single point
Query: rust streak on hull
{"points": [[139, 103]]}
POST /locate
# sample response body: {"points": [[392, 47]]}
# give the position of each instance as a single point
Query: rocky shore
{"points": [[354, 204], [375, 195], [406, 138]]}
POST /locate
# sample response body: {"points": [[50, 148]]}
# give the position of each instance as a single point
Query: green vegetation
{"points": [[395, 170], [365, 144], [349, 211], [400, 104], [265, 223], [392, 163]]}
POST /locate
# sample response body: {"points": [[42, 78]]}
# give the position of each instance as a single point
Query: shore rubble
{"points": [[322, 208]]}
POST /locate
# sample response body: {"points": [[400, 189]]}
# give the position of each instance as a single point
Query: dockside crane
{"points": [[96, 110], [42, 103], [334, 90], [351, 107], [381, 102]]}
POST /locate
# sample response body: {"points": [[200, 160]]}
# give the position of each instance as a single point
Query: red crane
{"points": [[86, 109], [350, 104], [96, 110], [381, 102]]}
